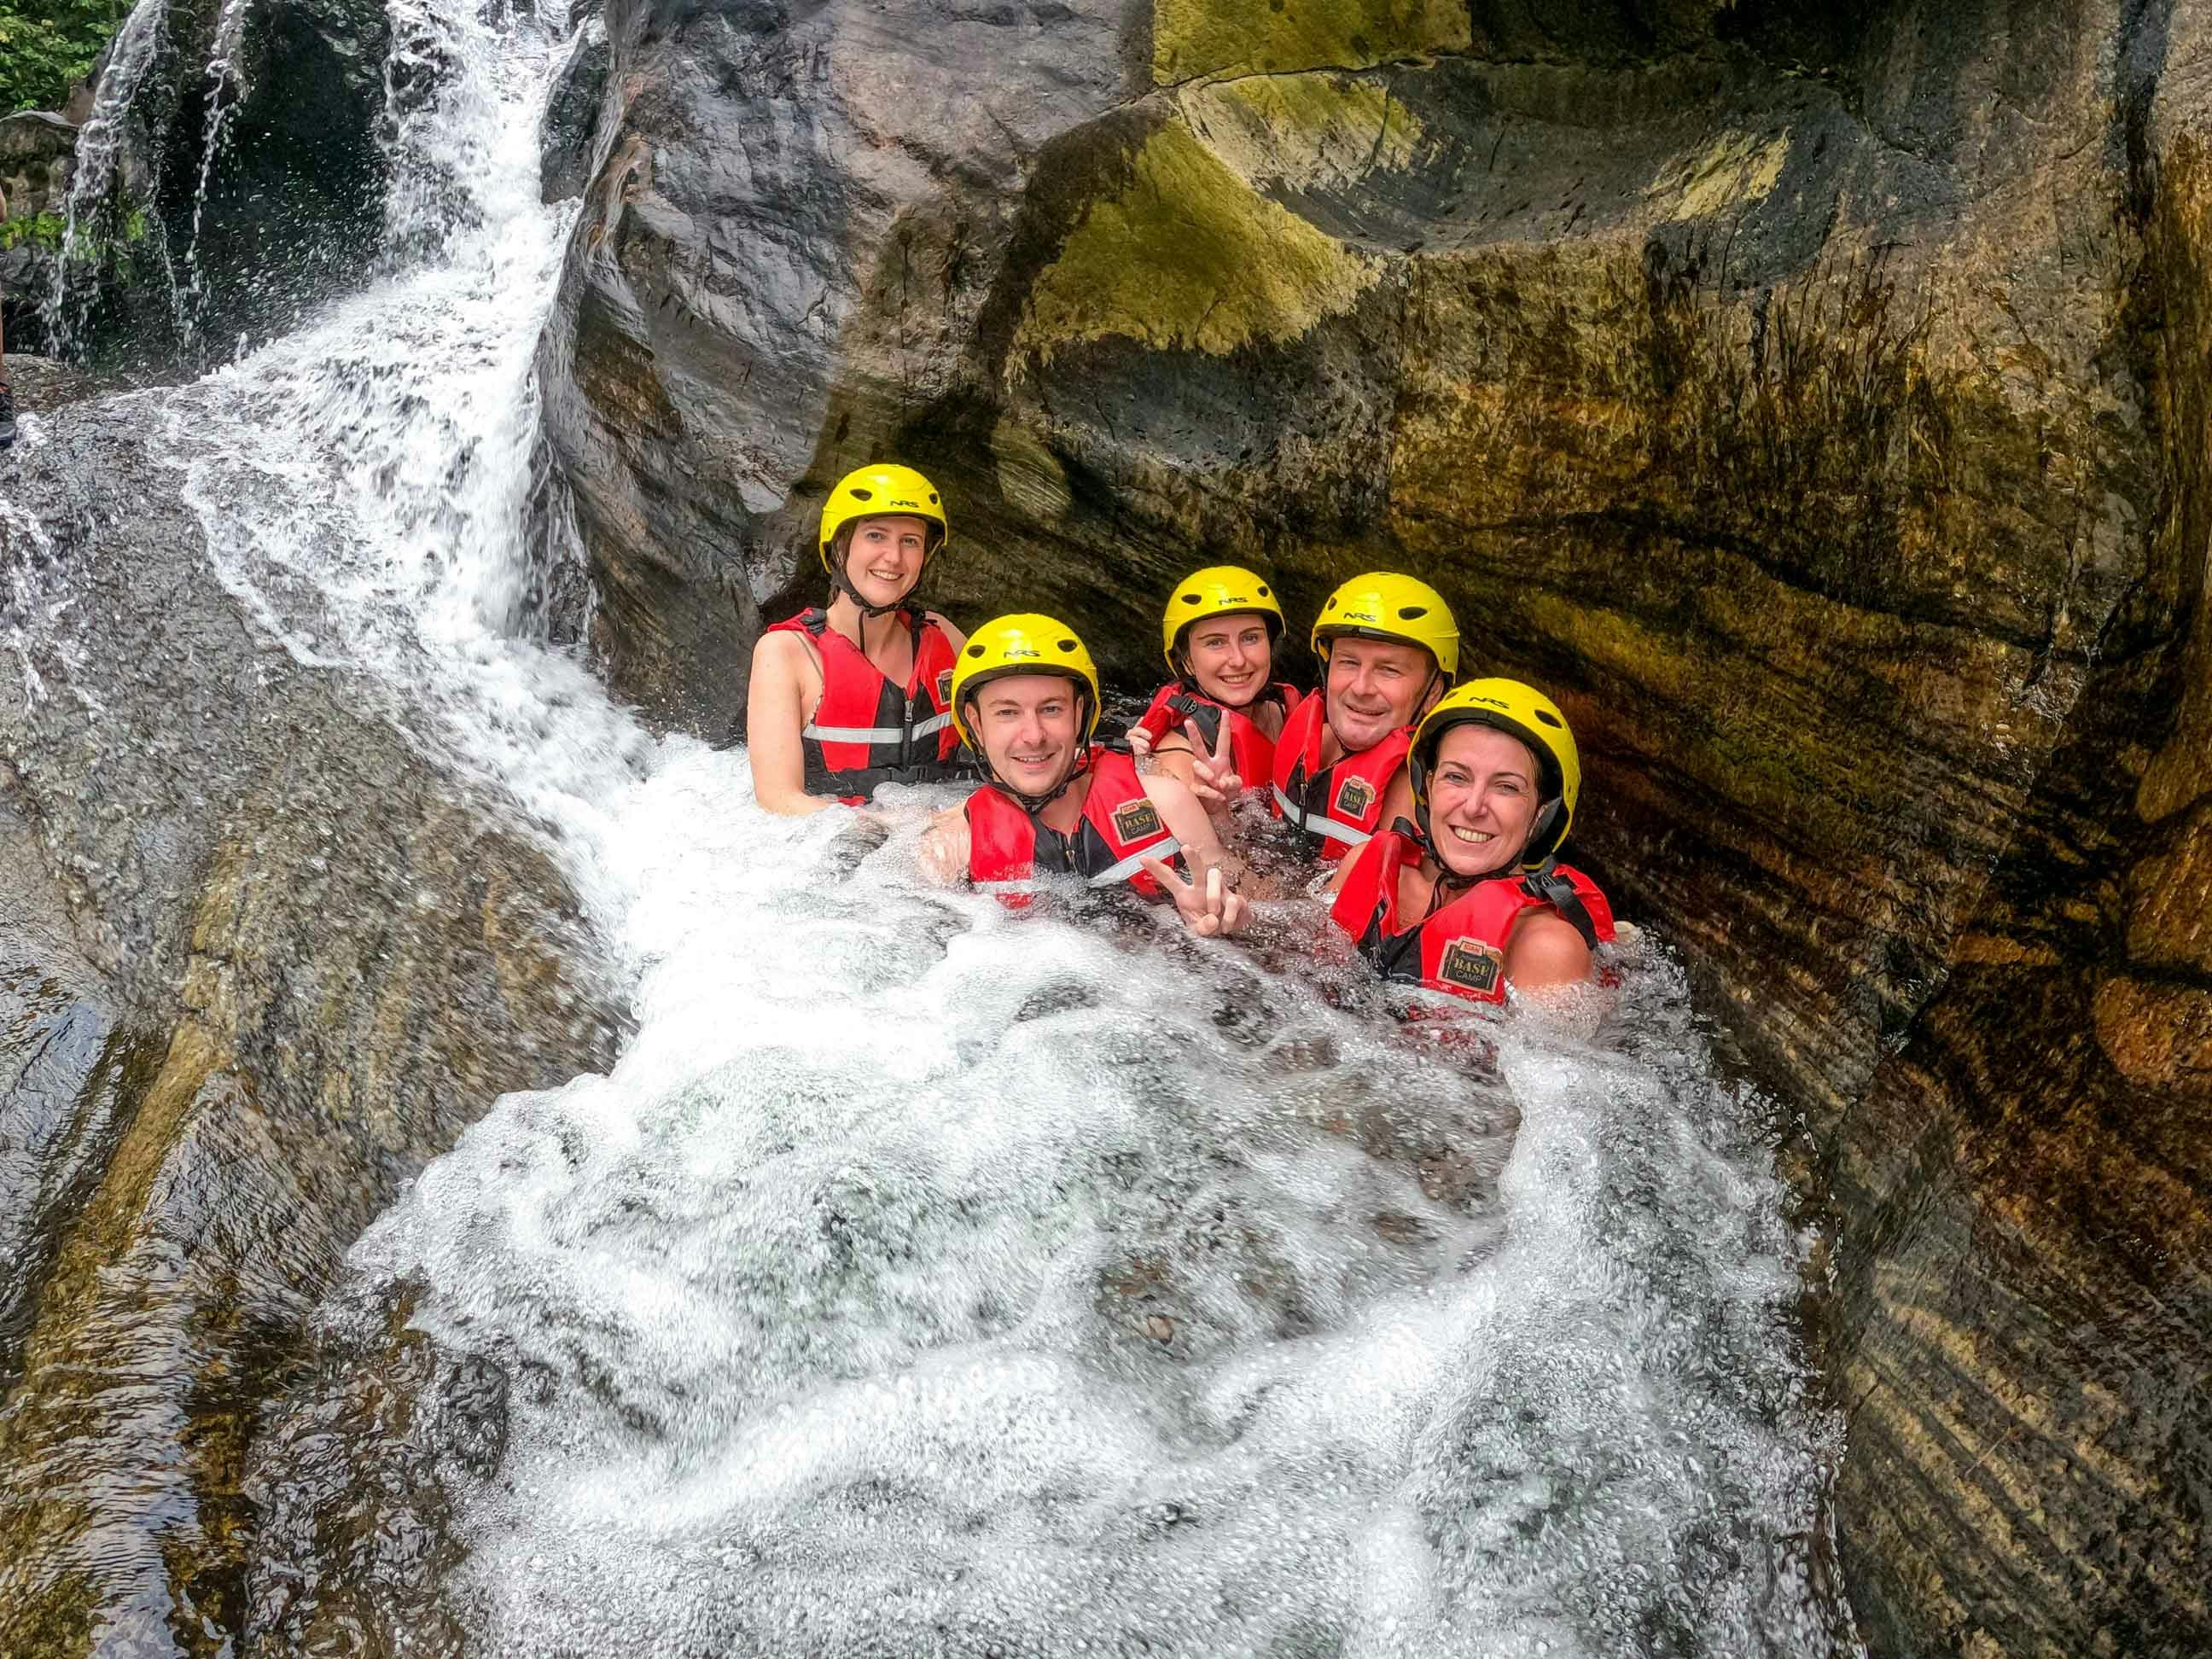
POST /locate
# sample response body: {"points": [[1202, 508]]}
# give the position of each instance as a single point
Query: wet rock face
{"points": [[233, 201], [1812, 397], [262, 961]]}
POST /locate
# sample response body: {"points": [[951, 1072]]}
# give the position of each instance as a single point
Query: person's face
{"points": [[1483, 800], [1230, 657], [883, 560], [1376, 686], [1030, 726]]}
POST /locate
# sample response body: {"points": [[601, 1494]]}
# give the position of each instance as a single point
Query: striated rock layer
{"points": [[260, 960], [1813, 397]]}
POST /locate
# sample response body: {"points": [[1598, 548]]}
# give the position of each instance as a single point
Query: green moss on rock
{"points": [[1189, 255], [1193, 38]]}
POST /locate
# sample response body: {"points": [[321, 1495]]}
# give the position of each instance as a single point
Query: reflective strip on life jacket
{"points": [[848, 759], [1317, 823], [873, 734], [1162, 850]]}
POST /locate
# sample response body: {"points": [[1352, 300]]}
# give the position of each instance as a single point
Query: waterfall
{"points": [[100, 149], [226, 88], [927, 1280]]}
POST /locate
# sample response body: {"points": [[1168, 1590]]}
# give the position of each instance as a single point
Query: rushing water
{"points": [[926, 1280]]}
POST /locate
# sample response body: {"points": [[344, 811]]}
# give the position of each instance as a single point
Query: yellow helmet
{"points": [[1219, 590], [870, 492], [1519, 711], [1383, 605], [1022, 644]]}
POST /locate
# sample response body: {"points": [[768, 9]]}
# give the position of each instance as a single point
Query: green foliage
{"points": [[41, 230], [45, 45], [45, 230]]}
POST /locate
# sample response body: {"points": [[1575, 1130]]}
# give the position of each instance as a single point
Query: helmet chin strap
{"points": [[1034, 805], [841, 581], [843, 584], [1449, 878]]}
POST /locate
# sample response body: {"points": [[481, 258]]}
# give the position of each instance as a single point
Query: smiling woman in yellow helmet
{"points": [[1389, 648], [1225, 708], [1025, 697], [1472, 899], [857, 693]]}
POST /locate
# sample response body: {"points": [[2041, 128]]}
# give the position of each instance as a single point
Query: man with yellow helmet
{"points": [[1389, 647], [1471, 899], [1224, 709], [1025, 697], [857, 693]]}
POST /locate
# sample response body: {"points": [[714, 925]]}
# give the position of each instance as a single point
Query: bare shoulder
{"points": [[782, 645], [1546, 949]]}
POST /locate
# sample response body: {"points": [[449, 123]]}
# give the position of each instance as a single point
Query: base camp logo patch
{"points": [[944, 687], [1135, 820], [1353, 797], [1472, 965]]}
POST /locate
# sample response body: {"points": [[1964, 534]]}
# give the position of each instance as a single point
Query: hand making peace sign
{"points": [[1216, 908], [1213, 777]]}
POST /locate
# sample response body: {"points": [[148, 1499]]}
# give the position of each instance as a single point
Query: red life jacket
{"points": [[1336, 807], [868, 730], [1007, 846], [1460, 948], [1252, 751]]}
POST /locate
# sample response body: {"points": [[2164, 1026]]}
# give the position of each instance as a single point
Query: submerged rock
{"points": [[1812, 398], [263, 960]]}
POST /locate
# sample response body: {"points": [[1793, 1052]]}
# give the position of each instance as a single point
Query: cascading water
{"points": [[101, 146], [925, 1279]]}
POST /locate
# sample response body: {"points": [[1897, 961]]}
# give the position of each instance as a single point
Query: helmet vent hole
{"points": [[1548, 717], [1068, 645], [1190, 598], [860, 495], [1331, 606], [1263, 590], [1409, 612], [975, 650], [933, 498]]}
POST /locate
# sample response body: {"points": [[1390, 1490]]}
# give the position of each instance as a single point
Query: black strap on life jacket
{"points": [[893, 711], [1545, 883]]}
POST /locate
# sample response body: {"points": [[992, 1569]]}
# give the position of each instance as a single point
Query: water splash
{"points": [[226, 89], [101, 147]]}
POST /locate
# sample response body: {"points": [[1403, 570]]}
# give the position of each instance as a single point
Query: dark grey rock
{"points": [[299, 959]]}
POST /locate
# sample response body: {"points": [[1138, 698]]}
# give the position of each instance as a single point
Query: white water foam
{"points": [[926, 1280]]}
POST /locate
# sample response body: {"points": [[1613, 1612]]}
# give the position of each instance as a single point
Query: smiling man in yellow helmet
{"points": [[857, 693], [1025, 697], [1389, 647], [1468, 898]]}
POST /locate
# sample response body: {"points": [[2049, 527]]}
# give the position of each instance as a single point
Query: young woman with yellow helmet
{"points": [[1389, 647], [1025, 698], [857, 693], [1472, 900], [1225, 708]]}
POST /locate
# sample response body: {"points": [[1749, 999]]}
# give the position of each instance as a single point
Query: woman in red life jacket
{"points": [[1389, 647], [1214, 725], [1468, 898], [1025, 698], [858, 692]]}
